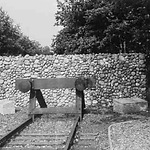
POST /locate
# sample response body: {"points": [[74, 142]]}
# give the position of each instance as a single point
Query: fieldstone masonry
{"points": [[117, 76]]}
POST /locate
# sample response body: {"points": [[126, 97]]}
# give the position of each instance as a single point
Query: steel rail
{"points": [[20, 127], [72, 134]]}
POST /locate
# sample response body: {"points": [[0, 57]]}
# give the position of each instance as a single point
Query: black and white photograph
{"points": [[74, 74]]}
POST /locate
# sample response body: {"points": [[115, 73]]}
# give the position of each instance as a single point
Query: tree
{"points": [[28, 46], [46, 50], [102, 26], [9, 33], [12, 41], [129, 29]]}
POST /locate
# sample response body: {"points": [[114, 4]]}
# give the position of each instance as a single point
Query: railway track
{"points": [[49, 133], [46, 133]]}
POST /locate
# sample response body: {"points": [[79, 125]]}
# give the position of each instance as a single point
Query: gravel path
{"points": [[130, 135]]}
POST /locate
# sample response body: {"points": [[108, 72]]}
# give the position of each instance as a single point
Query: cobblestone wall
{"points": [[116, 76]]}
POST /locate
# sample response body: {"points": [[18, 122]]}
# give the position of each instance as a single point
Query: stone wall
{"points": [[117, 75]]}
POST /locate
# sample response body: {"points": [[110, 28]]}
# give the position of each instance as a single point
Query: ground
{"points": [[92, 131]]}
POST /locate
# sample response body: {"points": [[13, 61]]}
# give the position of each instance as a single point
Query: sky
{"points": [[36, 18]]}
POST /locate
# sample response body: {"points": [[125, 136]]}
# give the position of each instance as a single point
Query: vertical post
{"points": [[79, 103], [32, 102]]}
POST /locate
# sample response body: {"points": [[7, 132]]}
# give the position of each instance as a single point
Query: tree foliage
{"points": [[9, 33], [102, 26], [12, 41]]}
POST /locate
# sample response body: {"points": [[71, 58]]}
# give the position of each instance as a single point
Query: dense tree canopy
{"points": [[9, 33], [102, 26], [12, 41]]}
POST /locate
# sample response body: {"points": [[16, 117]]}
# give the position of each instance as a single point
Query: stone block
{"points": [[7, 107], [129, 105]]}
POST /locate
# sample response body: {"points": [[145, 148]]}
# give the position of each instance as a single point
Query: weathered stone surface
{"points": [[27, 74], [3, 74], [129, 105], [1, 81], [7, 107]]}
